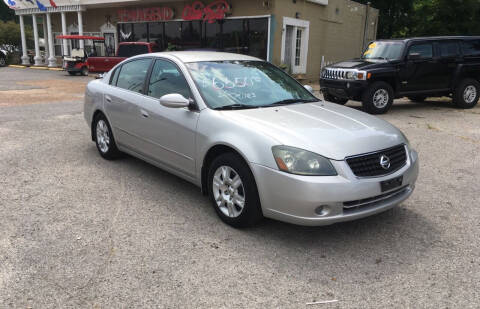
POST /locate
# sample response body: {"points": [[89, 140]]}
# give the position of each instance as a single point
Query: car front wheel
{"points": [[233, 191], [467, 93], [3, 62], [378, 98], [104, 138]]}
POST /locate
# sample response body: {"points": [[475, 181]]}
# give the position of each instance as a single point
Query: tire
{"points": [[418, 99], [3, 61], [334, 99], [378, 98], [72, 73], [84, 71], [103, 137], [231, 194], [467, 93]]}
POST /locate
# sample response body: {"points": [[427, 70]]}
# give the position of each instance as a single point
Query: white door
{"points": [[295, 44]]}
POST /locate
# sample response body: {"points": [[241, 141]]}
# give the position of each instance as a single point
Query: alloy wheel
{"points": [[228, 191], [380, 98], [469, 94], [103, 136]]}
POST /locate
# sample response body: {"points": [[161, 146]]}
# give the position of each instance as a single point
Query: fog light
{"points": [[348, 85], [322, 211]]}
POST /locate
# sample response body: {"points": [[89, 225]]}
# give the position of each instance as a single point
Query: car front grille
{"points": [[334, 74], [369, 165]]}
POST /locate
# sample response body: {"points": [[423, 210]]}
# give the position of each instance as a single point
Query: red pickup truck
{"points": [[125, 50]]}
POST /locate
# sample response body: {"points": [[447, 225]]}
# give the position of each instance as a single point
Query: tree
{"points": [[5, 12], [10, 34], [394, 19], [446, 17], [407, 18]]}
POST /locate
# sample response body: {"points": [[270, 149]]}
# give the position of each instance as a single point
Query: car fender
{"points": [[213, 129]]}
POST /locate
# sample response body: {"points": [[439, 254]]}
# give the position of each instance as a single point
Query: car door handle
{"points": [[144, 114], [108, 99]]}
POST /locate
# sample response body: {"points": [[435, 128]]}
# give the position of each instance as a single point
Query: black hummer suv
{"points": [[416, 68]]}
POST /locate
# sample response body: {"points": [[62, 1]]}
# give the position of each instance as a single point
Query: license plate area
{"points": [[391, 184]]}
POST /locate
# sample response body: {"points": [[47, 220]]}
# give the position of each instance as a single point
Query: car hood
{"points": [[360, 64], [331, 130]]}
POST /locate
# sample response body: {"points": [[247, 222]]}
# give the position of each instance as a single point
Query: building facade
{"points": [[300, 35]]}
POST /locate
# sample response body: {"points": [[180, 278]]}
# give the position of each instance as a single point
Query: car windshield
{"points": [[384, 50], [246, 84]]}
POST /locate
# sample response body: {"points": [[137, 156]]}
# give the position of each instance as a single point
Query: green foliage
{"points": [[10, 34], [5, 12], [407, 18]]}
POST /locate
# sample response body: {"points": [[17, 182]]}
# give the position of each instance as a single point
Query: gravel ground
{"points": [[77, 231]]}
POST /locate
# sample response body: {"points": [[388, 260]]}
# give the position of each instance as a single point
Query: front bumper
{"points": [[296, 199], [343, 88]]}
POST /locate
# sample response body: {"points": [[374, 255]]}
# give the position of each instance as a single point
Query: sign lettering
{"points": [[210, 13], [148, 14]]}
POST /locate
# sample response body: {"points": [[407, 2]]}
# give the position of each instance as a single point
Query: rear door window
{"points": [[132, 75], [425, 50], [449, 49], [471, 48]]}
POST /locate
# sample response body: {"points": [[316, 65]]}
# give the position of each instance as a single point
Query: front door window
{"points": [[167, 79]]}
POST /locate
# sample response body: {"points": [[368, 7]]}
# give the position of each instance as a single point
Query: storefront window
{"points": [[173, 34], [156, 34], [258, 37], [191, 35], [235, 35], [211, 36], [125, 33], [244, 36], [140, 32]]}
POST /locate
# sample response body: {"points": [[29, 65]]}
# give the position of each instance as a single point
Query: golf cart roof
{"points": [[80, 37]]}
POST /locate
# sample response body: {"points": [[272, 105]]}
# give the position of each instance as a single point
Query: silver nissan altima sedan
{"points": [[251, 137]]}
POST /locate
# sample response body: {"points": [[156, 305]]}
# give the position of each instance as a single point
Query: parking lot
{"points": [[77, 231]]}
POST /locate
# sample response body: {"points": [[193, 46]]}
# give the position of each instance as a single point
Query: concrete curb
{"points": [[34, 67], [17, 66]]}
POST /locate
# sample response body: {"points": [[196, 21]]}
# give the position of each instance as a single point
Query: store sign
{"points": [[148, 14], [210, 13]]}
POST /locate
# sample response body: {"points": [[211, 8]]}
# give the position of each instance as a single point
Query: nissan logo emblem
{"points": [[385, 162]]}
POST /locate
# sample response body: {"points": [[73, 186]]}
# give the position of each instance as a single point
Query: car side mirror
{"points": [[414, 56], [309, 88], [174, 100]]}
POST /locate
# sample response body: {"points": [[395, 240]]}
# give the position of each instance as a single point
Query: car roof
{"points": [[198, 56], [432, 38]]}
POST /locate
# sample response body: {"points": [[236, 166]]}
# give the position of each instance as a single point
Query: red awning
{"points": [[80, 37]]}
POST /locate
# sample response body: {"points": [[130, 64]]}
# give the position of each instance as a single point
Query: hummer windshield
{"points": [[384, 50]]}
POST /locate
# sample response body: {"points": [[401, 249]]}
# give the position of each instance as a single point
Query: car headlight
{"points": [[351, 75], [301, 162]]}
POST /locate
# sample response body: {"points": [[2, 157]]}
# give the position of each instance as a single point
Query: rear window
{"points": [[131, 50], [471, 48], [449, 49]]}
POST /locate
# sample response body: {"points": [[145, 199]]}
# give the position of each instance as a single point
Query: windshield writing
{"points": [[245, 84]]}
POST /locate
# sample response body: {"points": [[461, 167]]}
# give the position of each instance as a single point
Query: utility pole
{"points": [[365, 30]]}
